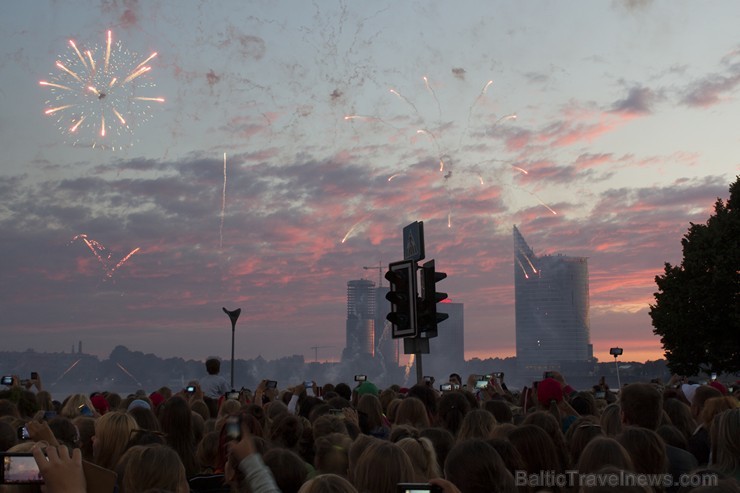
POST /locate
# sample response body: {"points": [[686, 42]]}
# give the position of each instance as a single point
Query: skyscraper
{"points": [[552, 304], [360, 329], [386, 348]]}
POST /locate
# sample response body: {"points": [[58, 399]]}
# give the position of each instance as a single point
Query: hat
{"points": [[367, 388], [138, 403], [689, 389], [100, 404], [719, 387], [156, 398], [548, 390]]}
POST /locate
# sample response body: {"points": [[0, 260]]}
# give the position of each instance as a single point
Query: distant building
{"points": [[447, 350], [552, 311], [361, 313]]}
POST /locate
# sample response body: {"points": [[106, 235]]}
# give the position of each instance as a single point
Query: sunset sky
{"points": [[341, 122]]}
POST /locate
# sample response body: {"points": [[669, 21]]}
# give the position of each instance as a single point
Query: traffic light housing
{"points": [[428, 316], [402, 295]]}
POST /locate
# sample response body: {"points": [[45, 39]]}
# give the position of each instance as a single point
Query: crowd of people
{"points": [[470, 436]]}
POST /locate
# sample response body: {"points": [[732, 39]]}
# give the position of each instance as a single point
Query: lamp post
{"points": [[233, 316], [617, 351]]}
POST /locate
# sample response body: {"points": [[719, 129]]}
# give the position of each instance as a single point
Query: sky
{"points": [[281, 146]]}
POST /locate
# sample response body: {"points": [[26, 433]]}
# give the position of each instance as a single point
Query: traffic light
{"points": [[402, 278], [428, 317]]}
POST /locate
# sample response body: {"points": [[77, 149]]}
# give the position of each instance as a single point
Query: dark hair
{"points": [[287, 468], [344, 391], [453, 406], [602, 452], [286, 431], [487, 473], [428, 396], [500, 410], [443, 442], [646, 449], [177, 423], [213, 366], [536, 448], [642, 405]]}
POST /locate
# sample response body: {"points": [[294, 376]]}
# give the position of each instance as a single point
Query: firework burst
{"points": [[99, 95]]}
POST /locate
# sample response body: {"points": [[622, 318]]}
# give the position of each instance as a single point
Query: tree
{"points": [[697, 308]]}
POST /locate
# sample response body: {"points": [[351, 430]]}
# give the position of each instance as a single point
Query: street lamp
{"points": [[617, 351], [233, 316]]}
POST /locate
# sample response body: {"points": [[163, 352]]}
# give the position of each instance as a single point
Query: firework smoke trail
{"points": [[393, 176], [223, 209], [404, 98], [352, 229], [436, 145], [434, 95], [522, 267], [524, 171], [528, 261], [407, 371], [470, 112]]}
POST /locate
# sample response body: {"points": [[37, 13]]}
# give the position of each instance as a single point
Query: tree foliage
{"points": [[697, 306]]}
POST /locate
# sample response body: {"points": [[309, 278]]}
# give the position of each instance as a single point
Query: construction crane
{"points": [[379, 268], [316, 352]]}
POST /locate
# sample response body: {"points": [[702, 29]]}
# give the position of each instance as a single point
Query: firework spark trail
{"points": [[97, 248], [68, 369], [393, 176], [74, 46], [434, 95], [122, 261], [407, 372], [526, 276], [524, 171], [107, 52], [528, 261], [470, 112], [128, 373], [370, 119], [223, 209], [351, 230], [436, 145]]}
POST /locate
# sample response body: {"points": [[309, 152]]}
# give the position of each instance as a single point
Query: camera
{"points": [[190, 389], [234, 395], [19, 468], [360, 378], [233, 428], [271, 384], [7, 380], [418, 488], [616, 351]]}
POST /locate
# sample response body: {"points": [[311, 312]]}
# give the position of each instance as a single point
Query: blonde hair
{"points": [[112, 433], [423, 457], [726, 441], [74, 404], [327, 483], [412, 411], [381, 467]]}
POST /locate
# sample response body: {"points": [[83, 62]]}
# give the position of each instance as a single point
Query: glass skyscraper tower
{"points": [[552, 304]]}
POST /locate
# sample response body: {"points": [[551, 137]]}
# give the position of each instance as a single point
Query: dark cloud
{"points": [[639, 101], [711, 89], [459, 73]]}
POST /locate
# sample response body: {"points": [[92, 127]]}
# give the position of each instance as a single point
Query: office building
{"points": [[360, 329], [552, 311]]}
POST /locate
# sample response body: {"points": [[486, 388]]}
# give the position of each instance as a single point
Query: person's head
{"points": [[370, 412], [331, 454], [213, 366], [381, 467], [455, 379], [478, 423], [500, 410], [411, 411], [584, 403], [508, 453], [77, 405], [646, 449], [698, 396], [582, 431], [713, 406], [344, 391], [536, 448], [672, 436], [611, 420], [286, 431], [328, 423], [475, 467], [145, 418], [146, 467], [726, 441], [442, 440], [112, 433], [358, 447], [86, 429], [680, 416], [452, 408], [287, 468], [603, 451], [423, 458], [427, 395], [327, 483], [642, 405]]}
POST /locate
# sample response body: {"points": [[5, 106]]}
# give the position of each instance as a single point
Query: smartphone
{"points": [[428, 379], [481, 384], [549, 374], [190, 389], [714, 377], [234, 395], [308, 384], [19, 468], [23, 433], [600, 394], [271, 384], [360, 378], [84, 410], [7, 380], [445, 387], [418, 488], [233, 428], [34, 375]]}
